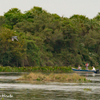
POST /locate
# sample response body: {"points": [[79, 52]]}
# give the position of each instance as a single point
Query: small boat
{"points": [[85, 71]]}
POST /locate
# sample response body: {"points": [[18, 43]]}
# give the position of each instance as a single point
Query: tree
{"points": [[12, 17], [12, 52], [2, 20]]}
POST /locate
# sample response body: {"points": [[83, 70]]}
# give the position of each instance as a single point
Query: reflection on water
{"points": [[93, 77], [49, 91]]}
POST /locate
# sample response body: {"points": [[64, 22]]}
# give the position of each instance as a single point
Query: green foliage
{"points": [[11, 51], [32, 53], [48, 40], [47, 69], [2, 20], [12, 17]]}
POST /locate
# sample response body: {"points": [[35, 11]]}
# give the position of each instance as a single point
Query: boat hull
{"points": [[83, 71]]}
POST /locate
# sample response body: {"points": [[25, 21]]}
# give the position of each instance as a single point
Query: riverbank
{"points": [[52, 77], [47, 69]]}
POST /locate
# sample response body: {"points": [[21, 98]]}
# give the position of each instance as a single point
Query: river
{"points": [[13, 90]]}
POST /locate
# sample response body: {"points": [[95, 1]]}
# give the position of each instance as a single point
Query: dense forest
{"points": [[46, 39]]}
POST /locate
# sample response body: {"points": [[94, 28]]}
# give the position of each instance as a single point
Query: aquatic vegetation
{"points": [[55, 69], [87, 89], [54, 77]]}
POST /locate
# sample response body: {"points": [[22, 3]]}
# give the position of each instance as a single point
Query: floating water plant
{"points": [[62, 77], [87, 89]]}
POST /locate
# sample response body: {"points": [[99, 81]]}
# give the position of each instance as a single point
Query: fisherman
{"points": [[87, 64], [79, 67], [93, 68]]}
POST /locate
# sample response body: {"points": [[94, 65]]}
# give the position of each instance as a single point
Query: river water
{"points": [[13, 90]]}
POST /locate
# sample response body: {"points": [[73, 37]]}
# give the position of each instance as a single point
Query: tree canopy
{"points": [[46, 39]]}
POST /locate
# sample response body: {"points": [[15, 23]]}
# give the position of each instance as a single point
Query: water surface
{"points": [[13, 90]]}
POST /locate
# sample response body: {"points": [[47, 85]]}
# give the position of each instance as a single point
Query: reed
{"points": [[54, 77]]}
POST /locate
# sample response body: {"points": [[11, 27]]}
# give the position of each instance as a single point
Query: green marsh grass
{"points": [[54, 77]]}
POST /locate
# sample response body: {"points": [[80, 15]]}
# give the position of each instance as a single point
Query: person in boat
{"points": [[79, 67], [87, 64], [93, 68]]}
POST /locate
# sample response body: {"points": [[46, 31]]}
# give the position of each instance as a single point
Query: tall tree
{"points": [[13, 16]]}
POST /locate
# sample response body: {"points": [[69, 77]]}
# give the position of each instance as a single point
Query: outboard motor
{"points": [[97, 71]]}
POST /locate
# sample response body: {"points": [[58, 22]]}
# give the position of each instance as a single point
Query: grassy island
{"points": [[53, 77]]}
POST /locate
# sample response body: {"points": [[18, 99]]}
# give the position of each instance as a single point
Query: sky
{"points": [[65, 8]]}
